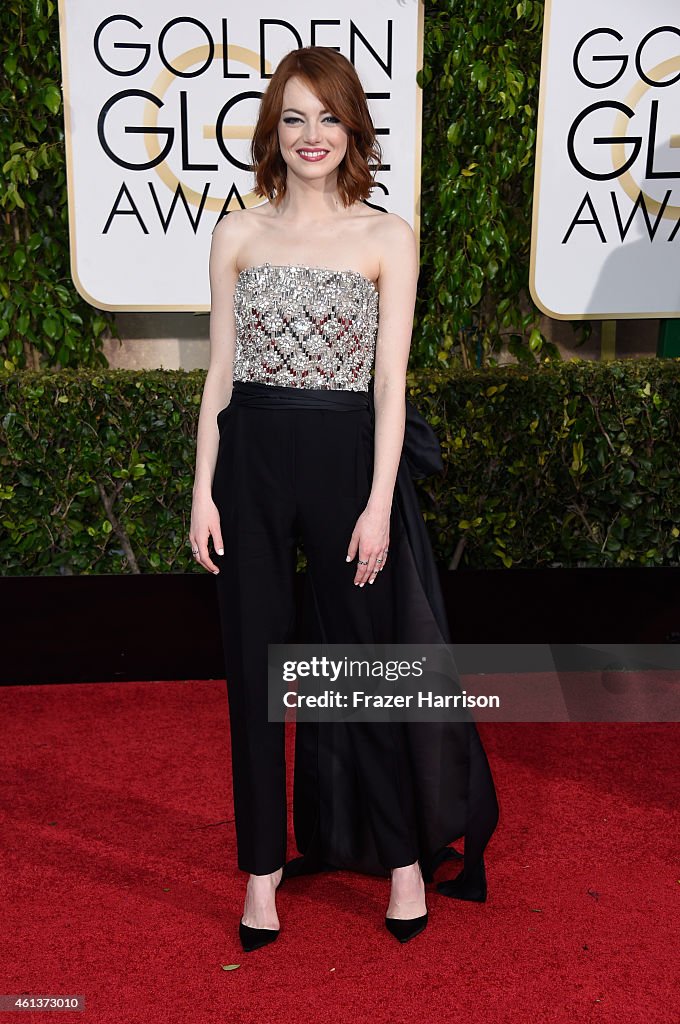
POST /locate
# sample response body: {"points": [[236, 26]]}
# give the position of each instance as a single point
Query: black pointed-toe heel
{"points": [[255, 938], [405, 929], [470, 885]]}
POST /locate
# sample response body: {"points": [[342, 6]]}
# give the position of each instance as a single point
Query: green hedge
{"points": [[576, 465], [480, 91]]}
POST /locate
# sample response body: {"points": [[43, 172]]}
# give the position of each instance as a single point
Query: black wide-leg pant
{"points": [[294, 470]]}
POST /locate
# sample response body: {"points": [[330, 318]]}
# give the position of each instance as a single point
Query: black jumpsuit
{"points": [[294, 465]]}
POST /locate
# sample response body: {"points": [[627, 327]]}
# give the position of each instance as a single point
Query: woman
{"points": [[292, 445]]}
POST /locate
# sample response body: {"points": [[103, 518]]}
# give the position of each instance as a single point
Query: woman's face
{"points": [[313, 141]]}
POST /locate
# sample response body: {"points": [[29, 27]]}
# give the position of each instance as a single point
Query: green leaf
{"points": [[535, 340], [51, 327], [52, 98], [453, 133]]}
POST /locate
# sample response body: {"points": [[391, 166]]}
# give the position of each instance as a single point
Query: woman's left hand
{"points": [[370, 541]]}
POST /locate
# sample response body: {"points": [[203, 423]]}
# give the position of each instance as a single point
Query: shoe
{"points": [[255, 938], [405, 929], [468, 885]]}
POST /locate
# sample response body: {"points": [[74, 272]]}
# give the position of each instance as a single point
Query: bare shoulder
{"points": [[237, 229], [387, 237], [395, 230], [390, 231], [396, 244], [230, 228], [228, 237]]}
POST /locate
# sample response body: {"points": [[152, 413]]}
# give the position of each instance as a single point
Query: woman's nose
{"points": [[313, 132]]}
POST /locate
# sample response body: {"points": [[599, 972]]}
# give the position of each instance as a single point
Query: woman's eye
{"points": [[330, 117]]}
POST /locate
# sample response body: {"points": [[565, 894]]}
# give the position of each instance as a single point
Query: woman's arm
{"points": [[397, 284], [205, 519]]}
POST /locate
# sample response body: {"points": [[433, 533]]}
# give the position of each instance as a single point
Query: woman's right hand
{"points": [[205, 522]]}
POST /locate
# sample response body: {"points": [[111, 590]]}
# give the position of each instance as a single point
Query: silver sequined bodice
{"points": [[301, 326]]}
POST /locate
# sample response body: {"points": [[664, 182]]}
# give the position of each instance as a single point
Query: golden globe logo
{"points": [[159, 111], [657, 78], [605, 212]]}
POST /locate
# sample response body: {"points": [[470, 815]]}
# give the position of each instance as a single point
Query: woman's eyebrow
{"points": [[294, 111]]}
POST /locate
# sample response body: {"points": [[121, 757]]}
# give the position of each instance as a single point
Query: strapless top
{"points": [[299, 326]]}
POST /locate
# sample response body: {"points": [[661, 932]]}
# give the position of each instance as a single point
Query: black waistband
{"points": [[421, 448], [267, 396]]}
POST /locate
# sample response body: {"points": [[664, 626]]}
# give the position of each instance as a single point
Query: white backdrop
{"points": [[124, 108], [609, 138]]}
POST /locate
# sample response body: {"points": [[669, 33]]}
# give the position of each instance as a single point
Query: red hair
{"points": [[334, 81]]}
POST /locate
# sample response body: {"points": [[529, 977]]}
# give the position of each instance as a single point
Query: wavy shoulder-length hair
{"points": [[333, 79]]}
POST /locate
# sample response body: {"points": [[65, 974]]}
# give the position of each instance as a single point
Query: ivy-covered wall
{"points": [[480, 80], [480, 83], [43, 320]]}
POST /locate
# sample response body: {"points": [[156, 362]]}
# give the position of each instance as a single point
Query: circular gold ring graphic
{"points": [[150, 120], [627, 182]]}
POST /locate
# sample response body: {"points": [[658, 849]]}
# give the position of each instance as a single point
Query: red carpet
{"points": [[120, 882]]}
